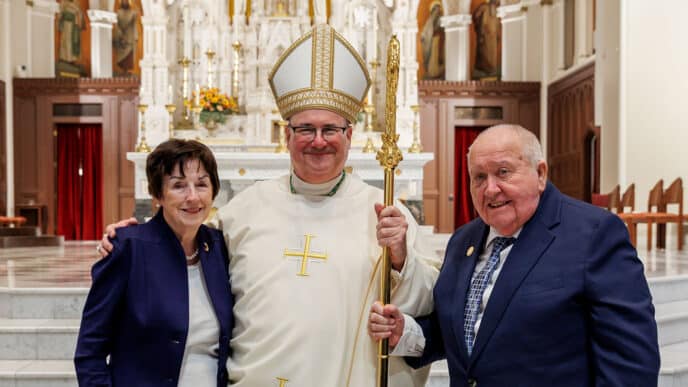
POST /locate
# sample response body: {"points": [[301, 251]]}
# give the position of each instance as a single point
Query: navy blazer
{"points": [[571, 306], [137, 311]]}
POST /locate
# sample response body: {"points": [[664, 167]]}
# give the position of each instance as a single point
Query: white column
{"points": [[42, 30], [101, 42], [513, 41], [557, 32], [583, 29], [5, 10], [546, 15], [457, 46], [155, 70]]}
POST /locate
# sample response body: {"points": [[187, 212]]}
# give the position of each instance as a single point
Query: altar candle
{"points": [[170, 95], [374, 25], [197, 101]]}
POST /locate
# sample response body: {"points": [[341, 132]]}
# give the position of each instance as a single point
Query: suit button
{"points": [[472, 382], [170, 380], [175, 341]]}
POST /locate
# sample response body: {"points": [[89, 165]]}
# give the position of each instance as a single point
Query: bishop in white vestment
{"points": [[304, 247]]}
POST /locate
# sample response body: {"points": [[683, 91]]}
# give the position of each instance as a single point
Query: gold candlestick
{"points": [[196, 109], [369, 147], [372, 96], [171, 108], [236, 46], [143, 145], [280, 9], [282, 146], [186, 122], [210, 54], [416, 147]]}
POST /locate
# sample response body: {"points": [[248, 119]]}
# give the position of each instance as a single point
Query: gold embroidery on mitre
{"points": [[303, 99], [321, 94], [323, 47]]}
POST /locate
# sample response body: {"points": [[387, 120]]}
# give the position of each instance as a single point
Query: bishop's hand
{"points": [[391, 232]]}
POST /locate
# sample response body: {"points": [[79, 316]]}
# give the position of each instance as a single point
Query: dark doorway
{"points": [[79, 181], [463, 208]]}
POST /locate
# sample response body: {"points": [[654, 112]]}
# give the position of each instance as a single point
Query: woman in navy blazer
{"points": [[160, 305]]}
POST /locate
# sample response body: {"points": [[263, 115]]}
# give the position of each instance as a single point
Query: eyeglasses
{"points": [[307, 133]]}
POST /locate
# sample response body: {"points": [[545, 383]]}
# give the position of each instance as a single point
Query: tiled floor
{"points": [[70, 265]]}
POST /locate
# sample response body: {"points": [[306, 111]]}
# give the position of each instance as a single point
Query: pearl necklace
{"points": [[192, 256]]}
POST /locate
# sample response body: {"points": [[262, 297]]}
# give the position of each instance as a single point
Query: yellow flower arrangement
{"points": [[216, 105]]}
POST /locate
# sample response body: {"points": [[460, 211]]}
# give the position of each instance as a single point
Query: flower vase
{"points": [[211, 125]]}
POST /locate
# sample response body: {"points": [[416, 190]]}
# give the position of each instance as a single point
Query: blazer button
{"points": [[472, 382], [175, 341]]}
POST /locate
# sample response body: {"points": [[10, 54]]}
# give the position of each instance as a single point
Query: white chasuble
{"points": [[300, 269]]}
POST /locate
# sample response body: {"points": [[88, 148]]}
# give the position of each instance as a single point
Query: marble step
{"points": [[672, 322], [31, 241], [37, 303], [68, 302], [38, 339], [674, 371], [668, 289], [20, 231], [37, 373]]}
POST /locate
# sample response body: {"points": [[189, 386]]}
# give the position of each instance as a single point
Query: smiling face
{"points": [[318, 160], [505, 185], [186, 198]]}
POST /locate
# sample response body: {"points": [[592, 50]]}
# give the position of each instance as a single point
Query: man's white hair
{"points": [[530, 145]]}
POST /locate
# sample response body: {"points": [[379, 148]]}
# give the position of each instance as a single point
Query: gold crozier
{"points": [[305, 255]]}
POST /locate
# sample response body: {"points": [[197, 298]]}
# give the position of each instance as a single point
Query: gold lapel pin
{"points": [[205, 247], [470, 250]]}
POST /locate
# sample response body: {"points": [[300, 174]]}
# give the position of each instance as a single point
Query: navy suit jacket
{"points": [[137, 311], [571, 306]]}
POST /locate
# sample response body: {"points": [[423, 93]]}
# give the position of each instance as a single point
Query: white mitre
{"points": [[320, 71]]}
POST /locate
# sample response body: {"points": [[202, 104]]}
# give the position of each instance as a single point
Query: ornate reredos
{"points": [[320, 71]]}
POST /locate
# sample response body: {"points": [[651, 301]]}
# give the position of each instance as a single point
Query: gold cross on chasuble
{"points": [[282, 382], [305, 255]]}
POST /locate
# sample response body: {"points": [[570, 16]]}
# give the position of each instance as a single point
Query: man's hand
{"points": [[385, 323], [391, 232], [105, 247]]}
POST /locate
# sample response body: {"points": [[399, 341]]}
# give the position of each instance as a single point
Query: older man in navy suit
{"points": [[541, 290]]}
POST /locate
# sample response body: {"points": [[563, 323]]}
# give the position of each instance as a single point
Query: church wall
{"points": [[19, 40], [655, 123], [3, 152], [607, 66], [41, 60]]}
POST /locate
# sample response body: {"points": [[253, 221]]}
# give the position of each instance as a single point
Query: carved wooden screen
{"points": [[569, 126]]}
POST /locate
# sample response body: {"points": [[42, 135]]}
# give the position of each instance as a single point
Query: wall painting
{"points": [[72, 39], [486, 41], [430, 41], [127, 39]]}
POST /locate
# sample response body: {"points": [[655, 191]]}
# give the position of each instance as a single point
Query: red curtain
{"points": [[79, 181], [463, 210]]}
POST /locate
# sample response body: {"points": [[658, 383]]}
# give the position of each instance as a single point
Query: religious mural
{"points": [[72, 39], [127, 42], [430, 45], [486, 41]]}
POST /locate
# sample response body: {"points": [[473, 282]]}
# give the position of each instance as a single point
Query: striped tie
{"points": [[478, 285]]}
